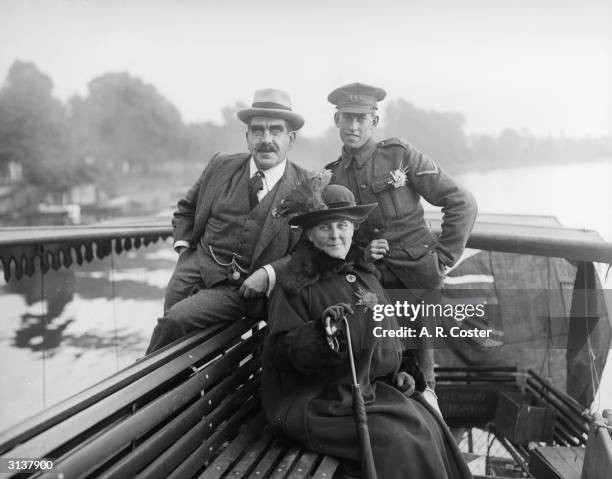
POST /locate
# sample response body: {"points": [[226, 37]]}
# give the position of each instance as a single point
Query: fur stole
{"points": [[309, 265]]}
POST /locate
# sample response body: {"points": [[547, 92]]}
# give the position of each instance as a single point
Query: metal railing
{"points": [[61, 246]]}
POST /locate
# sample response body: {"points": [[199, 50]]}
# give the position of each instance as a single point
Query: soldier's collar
{"points": [[361, 155]]}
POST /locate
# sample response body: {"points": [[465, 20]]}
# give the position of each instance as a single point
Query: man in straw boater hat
{"points": [[230, 243], [396, 175], [329, 380]]}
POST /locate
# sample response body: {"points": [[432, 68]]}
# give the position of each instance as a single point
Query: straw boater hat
{"points": [[271, 103], [315, 202]]}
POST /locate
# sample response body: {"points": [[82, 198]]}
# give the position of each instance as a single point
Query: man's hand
{"points": [[377, 249], [255, 285], [181, 249], [332, 315], [405, 383]]}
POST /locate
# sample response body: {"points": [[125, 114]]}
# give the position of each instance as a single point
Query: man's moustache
{"points": [[266, 148]]}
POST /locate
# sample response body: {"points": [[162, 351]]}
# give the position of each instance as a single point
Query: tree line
{"points": [[124, 126]]}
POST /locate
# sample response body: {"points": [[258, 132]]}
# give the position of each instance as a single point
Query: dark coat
{"points": [[193, 211], [416, 256], [307, 386]]}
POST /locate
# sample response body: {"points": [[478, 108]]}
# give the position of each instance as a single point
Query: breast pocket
{"points": [[395, 203]]}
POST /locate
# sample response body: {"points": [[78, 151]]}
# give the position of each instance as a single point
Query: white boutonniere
{"points": [[366, 298], [398, 177]]}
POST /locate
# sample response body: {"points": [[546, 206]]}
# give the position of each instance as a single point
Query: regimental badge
{"points": [[354, 98], [398, 177]]}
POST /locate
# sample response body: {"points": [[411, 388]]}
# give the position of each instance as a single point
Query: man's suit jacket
{"points": [[277, 238]]}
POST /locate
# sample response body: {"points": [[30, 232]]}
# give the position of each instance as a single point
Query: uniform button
{"points": [[426, 245], [375, 231], [363, 186]]}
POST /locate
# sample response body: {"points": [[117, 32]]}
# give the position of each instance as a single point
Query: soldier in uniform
{"points": [[396, 175]]}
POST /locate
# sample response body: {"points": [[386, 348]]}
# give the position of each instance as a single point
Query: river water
{"points": [[97, 319]]}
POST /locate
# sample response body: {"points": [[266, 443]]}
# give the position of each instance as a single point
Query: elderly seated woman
{"points": [[307, 375]]}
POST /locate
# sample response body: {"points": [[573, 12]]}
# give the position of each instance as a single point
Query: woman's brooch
{"points": [[398, 177], [366, 298]]}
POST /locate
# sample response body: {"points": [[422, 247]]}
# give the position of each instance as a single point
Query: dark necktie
{"points": [[255, 185]]}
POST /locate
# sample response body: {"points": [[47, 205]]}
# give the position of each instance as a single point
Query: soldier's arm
{"points": [[183, 219], [458, 204]]}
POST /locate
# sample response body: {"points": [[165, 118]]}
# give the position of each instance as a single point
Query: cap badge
{"points": [[354, 98]]}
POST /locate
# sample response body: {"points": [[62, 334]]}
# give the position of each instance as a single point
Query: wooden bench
{"points": [[193, 410], [190, 410]]}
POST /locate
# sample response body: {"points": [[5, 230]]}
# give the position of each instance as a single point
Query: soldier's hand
{"points": [[405, 383], [377, 249], [332, 315], [255, 285]]}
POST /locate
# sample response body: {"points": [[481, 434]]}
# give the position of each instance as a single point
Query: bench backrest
{"points": [[164, 416]]}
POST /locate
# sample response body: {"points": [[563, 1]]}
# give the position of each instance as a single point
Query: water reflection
{"points": [[43, 326], [39, 331], [69, 329]]}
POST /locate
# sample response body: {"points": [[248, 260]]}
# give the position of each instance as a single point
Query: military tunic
{"points": [[396, 175]]}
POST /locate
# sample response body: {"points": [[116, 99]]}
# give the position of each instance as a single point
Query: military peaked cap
{"points": [[356, 98]]}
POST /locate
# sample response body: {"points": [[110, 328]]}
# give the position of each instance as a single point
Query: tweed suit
{"points": [[200, 292]]}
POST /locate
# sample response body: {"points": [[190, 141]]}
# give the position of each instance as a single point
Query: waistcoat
{"points": [[232, 232]]}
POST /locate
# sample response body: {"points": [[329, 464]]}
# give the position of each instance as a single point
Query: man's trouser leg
{"points": [[220, 304], [184, 280]]}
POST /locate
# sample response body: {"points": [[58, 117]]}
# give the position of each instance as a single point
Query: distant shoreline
{"points": [[483, 167]]}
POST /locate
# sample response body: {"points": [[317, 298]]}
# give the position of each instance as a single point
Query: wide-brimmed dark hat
{"points": [[271, 103], [338, 204]]}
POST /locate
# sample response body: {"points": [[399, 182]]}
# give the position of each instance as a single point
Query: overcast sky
{"points": [[540, 65]]}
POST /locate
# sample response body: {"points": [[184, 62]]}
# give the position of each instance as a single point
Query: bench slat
{"points": [[284, 466], [268, 461], [191, 465], [246, 436], [146, 452], [95, 452], [100, 449], [178, 451], [303, 466], [153, 447], [326, 469], [252, 455], [51, 439], [71, 406]]}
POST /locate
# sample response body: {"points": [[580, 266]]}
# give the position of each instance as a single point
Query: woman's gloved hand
{"points": [[332, 315], [405, 383]]}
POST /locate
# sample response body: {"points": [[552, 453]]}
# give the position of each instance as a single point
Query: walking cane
{"points": [[368, 471]]}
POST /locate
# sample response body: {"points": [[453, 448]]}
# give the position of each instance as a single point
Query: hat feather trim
{"points": [[306, 196]]}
